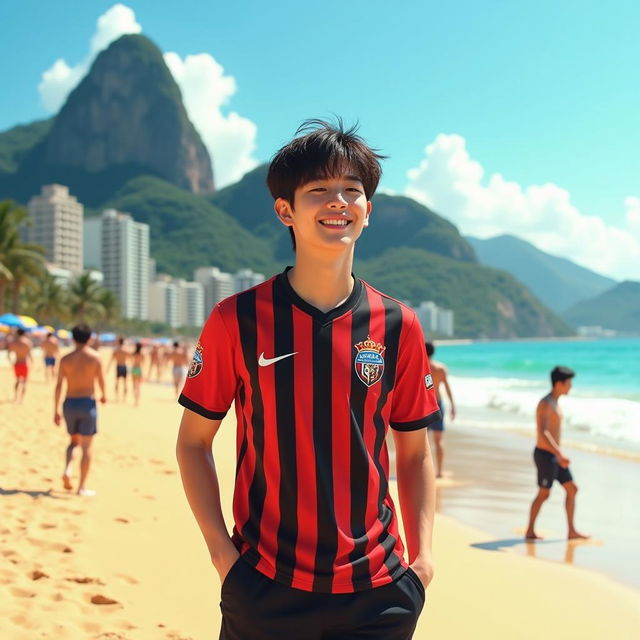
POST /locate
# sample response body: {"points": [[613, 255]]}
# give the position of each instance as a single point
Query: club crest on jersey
{"points": [[369, 361], [196, 363], [428, 381]]}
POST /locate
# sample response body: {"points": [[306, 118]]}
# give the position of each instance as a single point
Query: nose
{"points": [[337, 200]]}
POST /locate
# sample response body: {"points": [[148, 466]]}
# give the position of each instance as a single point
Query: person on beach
{"points": [[120, 356], [155, 361], [320, 365], [439, 373], [137, 362], [551, 463], [50, 350], [82, 370], [20, 347], [179, 360]]}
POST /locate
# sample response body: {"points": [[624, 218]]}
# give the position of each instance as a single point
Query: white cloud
{"points": [[206, 90], [450, 182], [60, 79]]}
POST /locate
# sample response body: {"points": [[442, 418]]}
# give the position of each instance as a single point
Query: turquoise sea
{"points": [[501, 382]]}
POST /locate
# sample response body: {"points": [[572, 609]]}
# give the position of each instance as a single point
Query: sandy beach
{"points": [[136, 548]]}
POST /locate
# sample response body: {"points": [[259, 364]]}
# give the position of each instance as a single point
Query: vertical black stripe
{"points": [[359, 456], [285, 419], [243, 445], [327, 544], [392, 333], [247, 326]]}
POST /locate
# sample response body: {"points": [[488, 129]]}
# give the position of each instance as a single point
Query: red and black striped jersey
{"points": [[315, 394]]}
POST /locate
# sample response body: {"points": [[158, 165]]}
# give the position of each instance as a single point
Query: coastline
{"points": [[137, 543]]}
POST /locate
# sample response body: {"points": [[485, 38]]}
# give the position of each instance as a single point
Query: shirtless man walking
{"points": [[81, 369], [180, 361], [50, 350], [550, 461], [436, 428], [20, 346], [120, 356]]}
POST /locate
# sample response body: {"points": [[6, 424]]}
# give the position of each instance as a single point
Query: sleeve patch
{"points": [[428, 381], [197, 363]]}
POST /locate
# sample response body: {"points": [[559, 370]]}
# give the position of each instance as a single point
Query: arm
{"points": [[445, 381], [417, 492], [57, 418], [100, 378], [200, 481], [543, 415]]}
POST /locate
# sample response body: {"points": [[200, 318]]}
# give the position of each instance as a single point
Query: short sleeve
{"points": [[211, 381], [414, 404]]}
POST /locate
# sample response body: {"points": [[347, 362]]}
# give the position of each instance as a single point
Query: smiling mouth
{"points": [[336, 224]]}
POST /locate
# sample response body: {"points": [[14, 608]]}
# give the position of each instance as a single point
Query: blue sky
{"points": [[530, 109]]}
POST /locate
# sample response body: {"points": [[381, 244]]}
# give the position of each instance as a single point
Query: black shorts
{"points": [[549, 469], [121, 371], [438, 425], [255, 607], [81, 416]]}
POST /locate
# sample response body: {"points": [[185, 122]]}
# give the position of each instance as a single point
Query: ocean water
{"points": [[498, 385]]}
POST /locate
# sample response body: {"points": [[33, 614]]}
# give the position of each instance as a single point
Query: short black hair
{"points": [[560, 374], [138, 347], [20, 331], [49, 335], [176, 344], [81, 333], [319, 150], [430, 348]]}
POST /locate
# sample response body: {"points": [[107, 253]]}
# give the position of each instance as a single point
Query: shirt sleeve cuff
{"points": [[187, 403], [414, 425]]}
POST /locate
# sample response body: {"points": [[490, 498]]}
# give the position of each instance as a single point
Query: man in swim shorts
{"points": [[551, 463], [50, 350], [81, 369], [20, 346], [120, 357], [179, 365], [436, 428]]}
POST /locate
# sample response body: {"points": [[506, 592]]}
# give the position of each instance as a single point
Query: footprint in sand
{"points": [[127, 578], [100, 599], [123, 520], [21, 593], [38, 575], [46, 525], [86, 580]]}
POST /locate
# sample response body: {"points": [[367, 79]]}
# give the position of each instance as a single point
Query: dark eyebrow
{"points": [[354, 179]]}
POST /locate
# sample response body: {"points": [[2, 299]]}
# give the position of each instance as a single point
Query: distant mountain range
{"points": [[123, 140], [617, 308], [557, 282]]}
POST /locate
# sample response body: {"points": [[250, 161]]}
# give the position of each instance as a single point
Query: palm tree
{"points": [[15, 254], [49, 302], [85, 298], [26, 263]]}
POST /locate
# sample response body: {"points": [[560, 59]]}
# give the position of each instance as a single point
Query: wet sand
{"points": [[129, 563]]}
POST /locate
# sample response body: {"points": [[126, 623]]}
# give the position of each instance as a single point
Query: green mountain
{"points": [[396, 221], [487, 303], [124, 119], [617, 309], [557, 282]]}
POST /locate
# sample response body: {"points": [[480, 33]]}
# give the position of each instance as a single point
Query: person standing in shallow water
{"points": [[82, 370], [551, 463]]}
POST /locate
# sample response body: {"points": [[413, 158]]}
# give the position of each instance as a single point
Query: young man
{"points": [[20, 346], [120, 356], [550, 461], [439, 372], [179, 365], [319, 365], [81, 369], [50, 350]]}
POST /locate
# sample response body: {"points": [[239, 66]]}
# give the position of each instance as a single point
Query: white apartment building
{"points": [[119, 246], [217, 285], [163, 301], [56, 218], [244, 279], [435, 319], [190, 303]]}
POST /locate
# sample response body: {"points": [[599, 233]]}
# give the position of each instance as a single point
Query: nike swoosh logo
{"points": [[265, 362]]}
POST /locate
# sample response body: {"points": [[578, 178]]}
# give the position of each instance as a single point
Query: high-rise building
{"points": [[217, 285], [163, 301], [244, 279], [56, 224], [435, 319], [190, 303], [120, 247]]}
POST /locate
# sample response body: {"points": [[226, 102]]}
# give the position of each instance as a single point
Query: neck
{"points": [[324, 283]]}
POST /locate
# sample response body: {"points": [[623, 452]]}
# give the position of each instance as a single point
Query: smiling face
{"points": [[326, 213]]}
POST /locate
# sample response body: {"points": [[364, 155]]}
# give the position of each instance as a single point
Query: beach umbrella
{"points": [[4, 328], [28, 322], [10, 320], [107, 337], [63, 333]]}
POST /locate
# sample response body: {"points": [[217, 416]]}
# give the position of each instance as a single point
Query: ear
{"points": [[283, 211], [366, 218]]}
